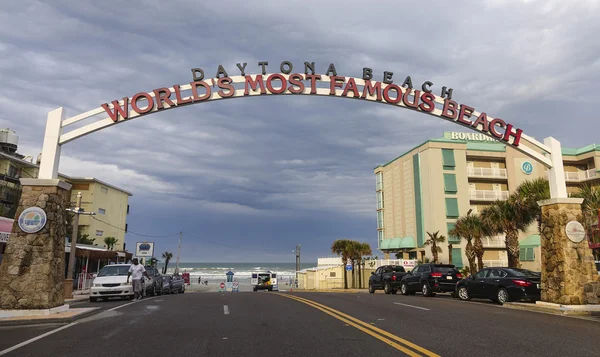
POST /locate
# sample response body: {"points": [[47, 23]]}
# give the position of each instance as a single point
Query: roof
{"points": [[93, 179], [531, 241], [397, 243], [95, 252], [74, 178], [493, 147]]}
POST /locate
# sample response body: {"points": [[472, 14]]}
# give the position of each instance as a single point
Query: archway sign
{"points": [[203, 89]]}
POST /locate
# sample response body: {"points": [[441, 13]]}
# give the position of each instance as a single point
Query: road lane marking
{"points": [[413, 306], [349, 319], [24, 343], [226, 309], [130, 303], [365, 330]]}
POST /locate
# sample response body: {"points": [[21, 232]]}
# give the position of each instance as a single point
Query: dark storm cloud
{"points": [[261, 161]]}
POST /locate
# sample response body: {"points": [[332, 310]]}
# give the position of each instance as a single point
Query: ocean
{"points": [[212, 272]]}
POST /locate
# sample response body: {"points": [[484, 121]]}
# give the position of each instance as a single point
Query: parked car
{"points": [[154, 285], [386, 277], [501, 285], [177, 284], [111, 281], [166, 285], [430, 279]]}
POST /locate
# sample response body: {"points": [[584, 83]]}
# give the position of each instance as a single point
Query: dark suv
{"points": [[430, 279]]}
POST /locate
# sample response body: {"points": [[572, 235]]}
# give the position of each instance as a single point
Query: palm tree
{"points": [[509, 217], [110, 242], [364, 250], [354, 255], [529, 193], [84, 239], [590, 206], [167, 257], [471, 228], [434, 239], [342, 247]]}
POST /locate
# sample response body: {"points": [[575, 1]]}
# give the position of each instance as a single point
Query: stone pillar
{"points": [[569, 275], [32, 272]]}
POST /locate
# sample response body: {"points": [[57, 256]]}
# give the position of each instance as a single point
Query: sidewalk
{"points": [[62, 315]]}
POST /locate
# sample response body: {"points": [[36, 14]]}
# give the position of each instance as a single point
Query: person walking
{"points": [[136, 272]]}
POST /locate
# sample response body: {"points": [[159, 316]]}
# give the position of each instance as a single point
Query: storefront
{"points": [[5, 229]]}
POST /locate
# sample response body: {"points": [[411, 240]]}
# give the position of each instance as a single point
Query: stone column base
{"points": [[32, 272], [569, 275]]}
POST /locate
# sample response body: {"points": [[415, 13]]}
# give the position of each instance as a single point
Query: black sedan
{"points": [[501, 285]]}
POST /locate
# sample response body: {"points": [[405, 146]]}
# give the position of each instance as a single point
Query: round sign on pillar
{"points": [[32, 220], [527, 167], [575, 231]]}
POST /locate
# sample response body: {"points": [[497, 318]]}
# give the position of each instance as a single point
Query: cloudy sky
{"points": [[273, 172]]}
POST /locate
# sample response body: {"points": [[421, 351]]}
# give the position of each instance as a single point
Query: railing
{"points": [[329, 261], [84, 281], [493, 242], [488, 195], [486, 172], [578, 176], [495, 263]]}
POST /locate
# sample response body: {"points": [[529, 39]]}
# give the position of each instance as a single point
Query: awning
{"points": [[531, 241], [398, 243], [93, 252]]}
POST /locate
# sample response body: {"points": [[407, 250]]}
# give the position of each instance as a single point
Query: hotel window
{"points": [[450, 183], [99, 233], [379, 200], [101, 211], [104, 189], [379, 176], [380, 236], [379, 219], [526, 254], [12, 171], [448, 159], [452, 208]]}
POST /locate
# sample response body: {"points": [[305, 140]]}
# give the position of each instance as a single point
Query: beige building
{"points": [[427, 188], [110, 203]]}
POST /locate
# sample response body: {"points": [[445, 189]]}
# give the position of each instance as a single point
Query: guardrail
{"points": [[486, 172], [488, 195], [493, 242], [579, 176], [495, 263]]}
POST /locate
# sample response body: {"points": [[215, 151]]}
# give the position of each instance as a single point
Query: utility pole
{"points": [[73, 247], [178, 252], [297, 264]]}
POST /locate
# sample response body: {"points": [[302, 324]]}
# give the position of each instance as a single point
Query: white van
{"points": [[264, 281]]}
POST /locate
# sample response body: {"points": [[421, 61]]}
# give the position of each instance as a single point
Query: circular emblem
{"points": [[575, 231], [32, 220], [527, 167]]}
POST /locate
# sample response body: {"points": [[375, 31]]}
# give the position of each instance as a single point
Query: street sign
{"points": [[348, 267], [235, 284], [222, 285]]}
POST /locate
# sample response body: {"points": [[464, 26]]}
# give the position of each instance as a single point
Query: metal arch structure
{"points": [[106, 115]]}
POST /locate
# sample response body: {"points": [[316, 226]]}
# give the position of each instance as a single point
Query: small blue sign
{"points": [[348, 267], [527, 167]]}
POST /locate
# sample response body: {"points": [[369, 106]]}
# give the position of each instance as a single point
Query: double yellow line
{"points": [[382, 335]]}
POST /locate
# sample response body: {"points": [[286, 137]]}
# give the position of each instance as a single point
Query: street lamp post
{"points": [[73, 247]]}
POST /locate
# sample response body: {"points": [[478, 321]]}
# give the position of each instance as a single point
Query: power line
{"points": [[128, 231]]}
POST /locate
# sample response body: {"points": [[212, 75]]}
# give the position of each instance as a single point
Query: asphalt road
{"points": [[309, 324]]}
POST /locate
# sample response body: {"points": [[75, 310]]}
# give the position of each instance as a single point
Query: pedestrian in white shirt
{"points": [[136, 272]]}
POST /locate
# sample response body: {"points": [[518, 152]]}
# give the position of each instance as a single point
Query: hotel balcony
{"points": [[493, 242], [579, 176], [486, 172], [495, 263], [488, 195]]}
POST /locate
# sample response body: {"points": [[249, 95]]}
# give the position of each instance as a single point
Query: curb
{"points": [[349, 291], [552, 311], [65, 320]]}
